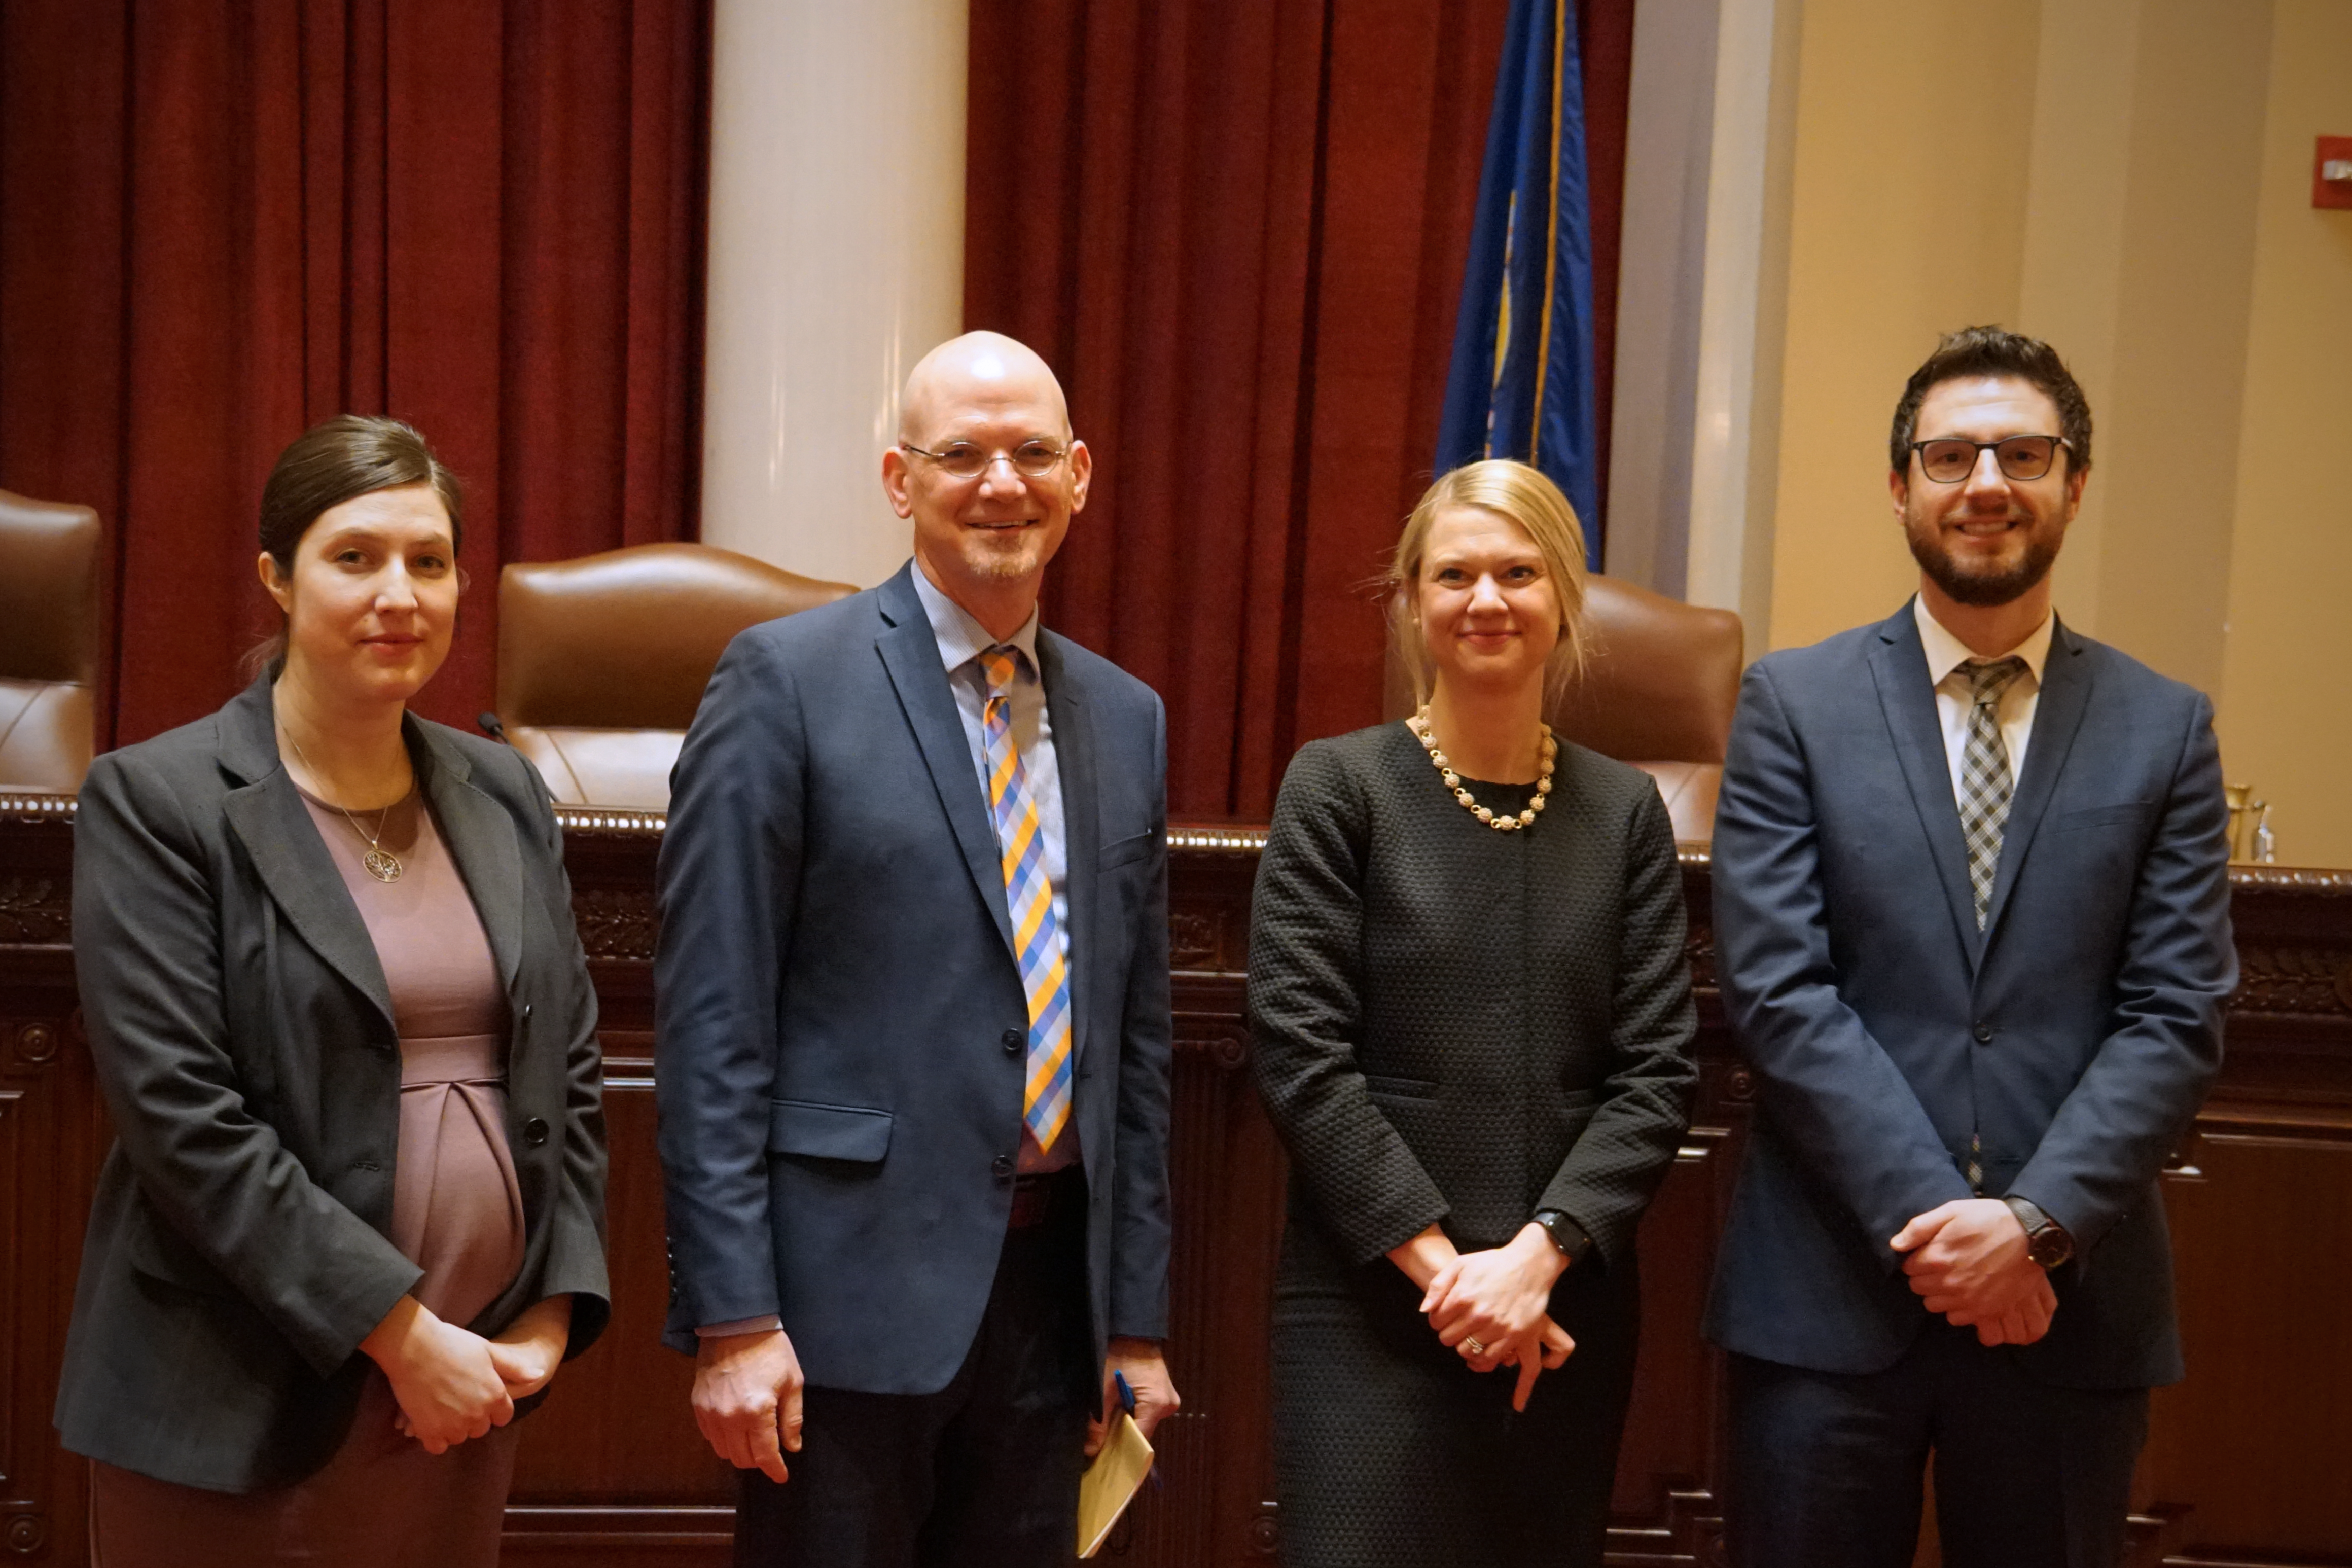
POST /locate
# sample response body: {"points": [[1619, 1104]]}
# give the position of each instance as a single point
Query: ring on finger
{"points": [[1474, 1347]]}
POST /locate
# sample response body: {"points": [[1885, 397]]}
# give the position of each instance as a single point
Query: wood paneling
{"points": [[2245, 1468]]}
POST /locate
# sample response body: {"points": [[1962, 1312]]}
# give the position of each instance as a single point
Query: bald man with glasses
{"points": [[1972, 918], [912, 1002]]}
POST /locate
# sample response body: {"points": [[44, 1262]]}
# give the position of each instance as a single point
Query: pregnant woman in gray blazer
{"points": [[353, 1217], [1473, 1020]]}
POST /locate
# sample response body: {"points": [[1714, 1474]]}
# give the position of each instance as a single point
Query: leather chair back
{"points": [[601, 661], [48, 644], [1657, 692]]}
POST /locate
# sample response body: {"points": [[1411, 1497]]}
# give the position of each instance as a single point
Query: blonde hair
{"points": [[1522, 495]]}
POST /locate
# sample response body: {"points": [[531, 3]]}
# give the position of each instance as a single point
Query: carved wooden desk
{"points": [[2249, 1463]]}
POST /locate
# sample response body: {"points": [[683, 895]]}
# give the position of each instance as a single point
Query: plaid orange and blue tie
{"points": [[1029, 895]]}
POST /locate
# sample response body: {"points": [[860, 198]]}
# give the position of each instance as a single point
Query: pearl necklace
{"points": [[1419, 725]]}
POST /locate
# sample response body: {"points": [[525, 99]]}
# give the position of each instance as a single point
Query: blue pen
{"points": [[1127, 1399]]}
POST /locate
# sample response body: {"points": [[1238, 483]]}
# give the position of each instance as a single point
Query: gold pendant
{"points": [[382, 864]]}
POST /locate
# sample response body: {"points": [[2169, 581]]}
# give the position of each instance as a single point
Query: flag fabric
{"points": [[1521, 383]]}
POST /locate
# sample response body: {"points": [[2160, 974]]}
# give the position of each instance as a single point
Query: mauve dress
{"points": [[382, 1502]]}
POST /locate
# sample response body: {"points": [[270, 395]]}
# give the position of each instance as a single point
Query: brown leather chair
{"points": [[48, 644], [1657, 692], [601, 661]]}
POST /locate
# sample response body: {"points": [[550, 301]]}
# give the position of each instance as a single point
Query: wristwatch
{"points": [[1566, 1234], [2046, 1241]]}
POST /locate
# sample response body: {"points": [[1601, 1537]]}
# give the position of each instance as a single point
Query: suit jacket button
{"points": [[526, 1010], [1001, 1165], [534, 1131], [1984, 1033], [1013, 1039]]}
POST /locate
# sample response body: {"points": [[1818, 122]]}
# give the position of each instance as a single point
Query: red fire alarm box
{"points": [[2331, 172]]}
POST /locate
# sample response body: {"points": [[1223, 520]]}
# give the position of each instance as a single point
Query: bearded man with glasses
{"points": [[912, 1008], [1972, 930]]}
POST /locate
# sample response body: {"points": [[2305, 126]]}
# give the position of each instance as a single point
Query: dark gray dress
{"points": [[1458, 1026]]}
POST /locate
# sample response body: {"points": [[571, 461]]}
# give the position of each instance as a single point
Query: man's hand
{"points": [[747, 1399], [1968, 1263], [1147, 1374], [2025, 1319]]}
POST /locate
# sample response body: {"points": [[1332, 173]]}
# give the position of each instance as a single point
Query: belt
{"points": [[1032, 1196]]}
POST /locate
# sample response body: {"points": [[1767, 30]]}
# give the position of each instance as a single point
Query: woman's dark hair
{"points": [[1991, 351], [334, 461], [339, 460]]}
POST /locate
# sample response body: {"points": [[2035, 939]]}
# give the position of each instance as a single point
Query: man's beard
{"points": [[1984, 587], [1005, 557]]}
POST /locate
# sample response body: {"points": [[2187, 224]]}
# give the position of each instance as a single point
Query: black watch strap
{"points": [[1566, 1234], [2046, 1241]]}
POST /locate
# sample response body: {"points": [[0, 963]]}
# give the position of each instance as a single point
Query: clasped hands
{"points": [[452, 1383], [1967, 1260], [1497, 1298]]}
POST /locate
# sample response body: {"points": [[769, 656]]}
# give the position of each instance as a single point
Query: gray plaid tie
{"points": [[1985, 782]]}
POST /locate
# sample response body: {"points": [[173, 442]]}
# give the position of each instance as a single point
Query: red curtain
{"points": [[1237, 227], [223, 220]]}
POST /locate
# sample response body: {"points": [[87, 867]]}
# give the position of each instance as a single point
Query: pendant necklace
{"points": [[381, 863], [1503, 822]]}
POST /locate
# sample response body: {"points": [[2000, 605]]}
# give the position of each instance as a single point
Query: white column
{"points": [[836, 261], [1726, 390], [1661, 284]]}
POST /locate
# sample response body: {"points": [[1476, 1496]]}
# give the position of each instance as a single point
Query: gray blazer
{"points": [[242, 1036], [2075, 1034], [841, 1021]]}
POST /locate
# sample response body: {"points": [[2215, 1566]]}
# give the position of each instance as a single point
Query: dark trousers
{"points": [[983, 1474], [1826, 1467]]}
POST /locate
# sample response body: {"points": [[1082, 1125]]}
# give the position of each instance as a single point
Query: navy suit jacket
{"points": [[835, 985], [2076, 1034]]}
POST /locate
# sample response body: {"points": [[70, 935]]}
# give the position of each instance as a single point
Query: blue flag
{"points": [[1521, 383]]}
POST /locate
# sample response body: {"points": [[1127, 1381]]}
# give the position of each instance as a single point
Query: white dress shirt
{"points": [[1956, 694]]}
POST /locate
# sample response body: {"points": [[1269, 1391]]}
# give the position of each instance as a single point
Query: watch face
{"points": [[2048, 1247]]}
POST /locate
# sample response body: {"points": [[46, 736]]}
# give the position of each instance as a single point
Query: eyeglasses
{"points": [[1950, 460], [962, 460]]}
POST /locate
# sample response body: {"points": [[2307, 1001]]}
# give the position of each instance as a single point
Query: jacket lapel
{"points": [[2057, 714], [481, 839], [1073, 757], [269, 819], [1898, 664], [910, 652]]}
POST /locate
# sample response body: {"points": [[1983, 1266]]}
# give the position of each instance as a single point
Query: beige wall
{"points": [[1906, 219], [2130, 179], [2286, 684]]}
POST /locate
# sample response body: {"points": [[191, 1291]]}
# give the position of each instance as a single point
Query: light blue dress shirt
{"points": [[961, 642]]}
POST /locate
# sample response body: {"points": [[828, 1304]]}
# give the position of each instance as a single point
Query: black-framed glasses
{"points": [[1948, 459], [961, 459]]}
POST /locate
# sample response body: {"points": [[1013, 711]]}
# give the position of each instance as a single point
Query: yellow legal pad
{"points": [[1110, 1483]]}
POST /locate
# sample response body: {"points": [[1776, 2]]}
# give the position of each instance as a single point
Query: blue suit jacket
{"points": [[836, 986], [2076, 1034]]}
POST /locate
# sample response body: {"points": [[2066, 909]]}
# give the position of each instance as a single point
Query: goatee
{"points": [[1986, 586]]}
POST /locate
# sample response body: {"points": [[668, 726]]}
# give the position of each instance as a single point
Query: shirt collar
{"points": [[1946, 653], [962, 639]]}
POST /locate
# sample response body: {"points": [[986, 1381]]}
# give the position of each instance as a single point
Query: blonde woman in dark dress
{"points": [[1472, 1023], [353, 1218]]}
